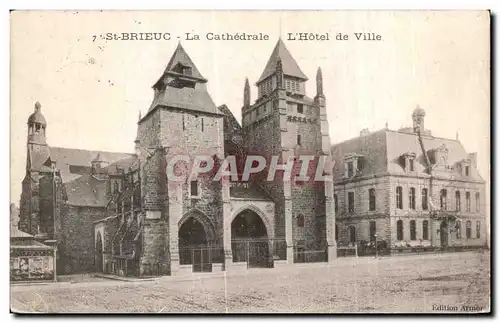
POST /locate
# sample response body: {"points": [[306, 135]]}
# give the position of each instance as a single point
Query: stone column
{"points": [[226, 225], [330, 221], [289, 229], [174, 216]]}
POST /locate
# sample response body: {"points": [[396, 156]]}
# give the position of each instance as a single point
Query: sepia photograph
{"points": [[250, 161]]}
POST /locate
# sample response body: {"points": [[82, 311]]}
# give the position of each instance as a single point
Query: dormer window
{"points": [[353, 165], [350, 169], [408, 160], [186, 70], [467, 170]]}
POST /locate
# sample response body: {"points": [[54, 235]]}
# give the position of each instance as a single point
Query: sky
{"points": [[91, 90]]}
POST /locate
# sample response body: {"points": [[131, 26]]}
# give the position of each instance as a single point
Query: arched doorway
{"points": [[443, 233], [194, 248], [98, 253], [250, 242]]}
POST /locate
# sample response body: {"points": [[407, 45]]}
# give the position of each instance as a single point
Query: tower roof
{"points": [[181, 58], [37, 116], [290, 66]]}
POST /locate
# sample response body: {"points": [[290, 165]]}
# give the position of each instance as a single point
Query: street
{"points": [[432, 283]]}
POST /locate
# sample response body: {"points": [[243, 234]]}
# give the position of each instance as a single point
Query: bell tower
{"points": [[284, 122]]}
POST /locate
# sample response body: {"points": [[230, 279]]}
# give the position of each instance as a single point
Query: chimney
{"points": [[473, 159]]}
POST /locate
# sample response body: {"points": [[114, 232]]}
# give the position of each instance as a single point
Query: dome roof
{"points": [[37, 116], [419, 111]]}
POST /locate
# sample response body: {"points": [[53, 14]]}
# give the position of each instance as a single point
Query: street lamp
{"points": [[376, 247]]}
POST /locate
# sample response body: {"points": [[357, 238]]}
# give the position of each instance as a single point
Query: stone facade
{"points": [[389, 181]]}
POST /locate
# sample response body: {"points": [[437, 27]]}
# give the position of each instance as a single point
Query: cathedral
{"points": [[119, 213], [122, 214]]}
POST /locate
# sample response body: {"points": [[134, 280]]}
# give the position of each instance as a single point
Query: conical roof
{"points": [[290, 66], [180, 57], [37, 116]]}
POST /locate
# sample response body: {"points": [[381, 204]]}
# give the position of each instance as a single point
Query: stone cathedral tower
{"points": [[283, 121]]}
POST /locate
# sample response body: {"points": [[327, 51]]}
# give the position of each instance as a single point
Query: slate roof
{"points": [[181, 57], [86, 190], [382, 150], [290, 66], [73, 163], [196, 99]]}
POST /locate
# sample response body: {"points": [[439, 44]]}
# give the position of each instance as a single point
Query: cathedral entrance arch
{"points": [[98, 253], [196, 241], [250, 240]]}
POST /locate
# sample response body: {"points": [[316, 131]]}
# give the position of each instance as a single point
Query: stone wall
{"points": [[77, 249]]}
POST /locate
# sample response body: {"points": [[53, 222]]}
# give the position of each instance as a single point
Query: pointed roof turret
{"points": [[290, 66], [181, 64], [137, 135], [182, 86], [319, 82], [246, 93]]}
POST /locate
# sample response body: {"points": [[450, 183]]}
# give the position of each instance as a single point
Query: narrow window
{"points": [[412, 165], [350, 197], [350, 169], [352, 234], [300, 221], [373, 230], [399, 230], [425, 230], [183, 123], [257, 111], [458, 228], [336, 202], [424, 199], [411, 197], [202, 125], [442, 197], [194, 188], [300, 108], [457, 200], [468, 229], [399, 197], [466, 170], [477, 203], [467, 201], [478, 229], [299, 141], [371, 196], [413, 230]]}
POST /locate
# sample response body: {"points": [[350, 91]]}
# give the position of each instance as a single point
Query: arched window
{"points": [[413, 230], [399, 230], [371, 198], [468, 229], [300, 221], [411, 197], [457, 200], [424, 199], [425, 230], [467, 201], [399, 197], [458, 227], [442, 198]]}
